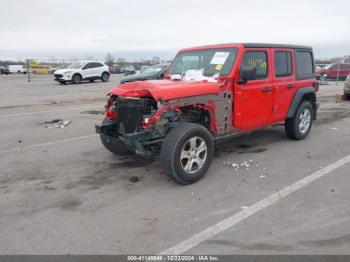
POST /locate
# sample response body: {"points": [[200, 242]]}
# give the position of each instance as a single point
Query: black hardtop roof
{"points": [[268, 45]]}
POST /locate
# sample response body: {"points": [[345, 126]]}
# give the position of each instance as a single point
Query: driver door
{"points": [[88, 70], [253, 100]]}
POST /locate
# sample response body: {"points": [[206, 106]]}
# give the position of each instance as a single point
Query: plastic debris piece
{"points": [[134, 179], [57, 123]]}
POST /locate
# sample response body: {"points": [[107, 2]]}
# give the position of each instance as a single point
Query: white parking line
{"points": [[49, 111], [15, 149], [238, 217]]}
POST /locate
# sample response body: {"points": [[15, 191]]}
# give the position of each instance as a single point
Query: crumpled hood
{"points": [[166, 89], [62, 71]]}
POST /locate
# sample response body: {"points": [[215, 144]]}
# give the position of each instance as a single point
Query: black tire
{"points": [[105, 77], [76, 79], [114, 145], [175, 143], [347, 96], [293, 125]]}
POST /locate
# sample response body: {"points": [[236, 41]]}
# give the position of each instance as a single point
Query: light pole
{"points": [[28, 71]]}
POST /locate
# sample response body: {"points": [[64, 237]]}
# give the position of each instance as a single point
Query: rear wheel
{"points": [[105, 77], [187, 153], [76, 79], [300, 125]]}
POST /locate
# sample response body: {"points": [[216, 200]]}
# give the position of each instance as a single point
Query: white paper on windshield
{"points": [[219, 58]]}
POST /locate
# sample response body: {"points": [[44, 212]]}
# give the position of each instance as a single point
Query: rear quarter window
{"points": [[304, 64]]}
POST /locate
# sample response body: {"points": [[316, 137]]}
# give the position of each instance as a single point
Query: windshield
{"points": [[153, 69], [212, 62], [75, 65], [329, 66]]}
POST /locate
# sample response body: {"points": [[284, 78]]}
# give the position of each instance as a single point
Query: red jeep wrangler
{"points": [[210, 93]]}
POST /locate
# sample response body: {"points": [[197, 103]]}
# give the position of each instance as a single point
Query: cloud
{"points": [[90, 26]]}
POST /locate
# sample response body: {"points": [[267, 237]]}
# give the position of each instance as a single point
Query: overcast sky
{"points": [[144, 28]]}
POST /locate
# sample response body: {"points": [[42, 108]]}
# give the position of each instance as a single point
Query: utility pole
{"points": [[340, 60], [28, 71]]}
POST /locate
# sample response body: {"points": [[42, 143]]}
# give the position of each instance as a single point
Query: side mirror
{"points": [[246, 74]]}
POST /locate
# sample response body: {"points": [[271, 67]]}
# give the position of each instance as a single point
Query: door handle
{"points": [[267, 90], [290, 86]]}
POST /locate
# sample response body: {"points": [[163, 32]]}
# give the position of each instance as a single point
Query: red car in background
{"points": [[331, 71]]}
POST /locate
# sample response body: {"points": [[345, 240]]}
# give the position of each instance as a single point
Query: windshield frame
{"points": [[216, 49]]}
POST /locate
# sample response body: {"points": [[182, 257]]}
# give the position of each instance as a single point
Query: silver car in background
{"points": [[347, 87]]}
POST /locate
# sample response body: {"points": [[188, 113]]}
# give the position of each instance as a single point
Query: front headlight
{"points": [[67, 72]]}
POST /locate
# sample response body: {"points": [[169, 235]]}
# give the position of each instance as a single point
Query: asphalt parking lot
{"points": [[63, 193]]}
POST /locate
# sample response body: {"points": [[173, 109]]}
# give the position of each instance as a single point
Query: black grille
{"points": [[57, 76], [129, 114]]}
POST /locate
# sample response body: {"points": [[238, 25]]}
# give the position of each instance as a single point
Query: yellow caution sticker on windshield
{"points": [[218, 67]]}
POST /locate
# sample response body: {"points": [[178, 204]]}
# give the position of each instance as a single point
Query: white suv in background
{"points": [[82, 71]]}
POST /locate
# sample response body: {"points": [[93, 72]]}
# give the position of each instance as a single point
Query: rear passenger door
{"points": [[98, 69], [283, 82], [253, 99]]}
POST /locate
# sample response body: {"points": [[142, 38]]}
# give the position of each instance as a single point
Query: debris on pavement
{"points": [[244, 207], [56, 123], [333, 128], [53, 121], [263, 176], [239, 165], [134, 179], [93, 112]]}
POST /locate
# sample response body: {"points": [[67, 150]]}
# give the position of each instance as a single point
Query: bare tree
{"points": [[121, 61], [109, 59]]}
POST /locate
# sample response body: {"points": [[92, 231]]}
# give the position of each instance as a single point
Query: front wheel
{"points": [[187, 153], [105, 77], [76, 79], [300, 125]]}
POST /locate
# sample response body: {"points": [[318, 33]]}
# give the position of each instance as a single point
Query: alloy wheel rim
{"points": [[304, 121], [193, 154]]}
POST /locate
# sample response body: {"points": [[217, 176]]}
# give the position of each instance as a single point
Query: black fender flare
{"points": [[299, 96]]}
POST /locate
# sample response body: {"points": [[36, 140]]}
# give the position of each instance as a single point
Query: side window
{"points": [[283, 63], [87, 66], [304, 64], [96, 65], [345, 66], [256, 59]]}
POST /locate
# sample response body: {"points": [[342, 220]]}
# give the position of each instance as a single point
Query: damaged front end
{"points": [[137, 122]]}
